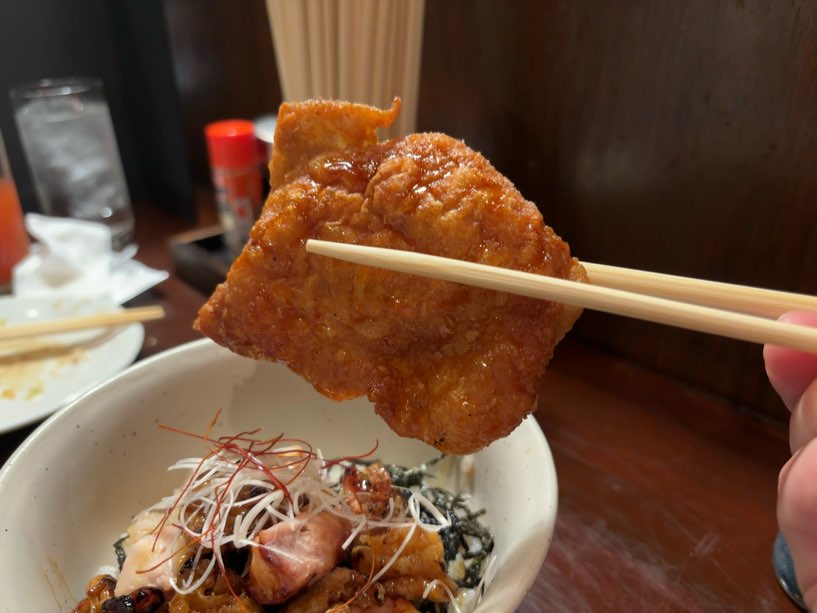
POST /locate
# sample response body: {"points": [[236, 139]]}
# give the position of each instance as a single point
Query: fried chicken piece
{"points": [[454, 366]]}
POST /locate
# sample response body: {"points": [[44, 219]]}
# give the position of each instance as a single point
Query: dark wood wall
{"points": [[672, 136], [224, 65]]}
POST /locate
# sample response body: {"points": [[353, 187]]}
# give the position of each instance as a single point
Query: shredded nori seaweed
{"points": [[410, 477], [464, 524]]}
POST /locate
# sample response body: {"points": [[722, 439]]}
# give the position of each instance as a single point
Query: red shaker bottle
{"points": [[234, 163]]}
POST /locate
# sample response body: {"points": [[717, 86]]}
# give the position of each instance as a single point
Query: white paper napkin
{"points": [[74, 257]]}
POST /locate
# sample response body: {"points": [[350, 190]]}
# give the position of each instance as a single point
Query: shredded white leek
{"points": [[229, 499]]}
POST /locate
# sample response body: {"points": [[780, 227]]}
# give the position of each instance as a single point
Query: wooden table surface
{"points": [[666, 494]]}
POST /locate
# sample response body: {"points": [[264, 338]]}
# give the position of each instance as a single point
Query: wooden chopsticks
{"points": [[654, 308], [82, 322], [727, 296]]}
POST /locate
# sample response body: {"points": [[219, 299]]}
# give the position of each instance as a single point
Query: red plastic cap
{"points": [[232, 143]]}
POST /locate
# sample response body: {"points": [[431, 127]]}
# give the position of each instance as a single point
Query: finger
{"points": [[803, 422], [796, 509], [790, 372]]}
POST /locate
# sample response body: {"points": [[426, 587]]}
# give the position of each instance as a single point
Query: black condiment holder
{"points": [[201, 257]]}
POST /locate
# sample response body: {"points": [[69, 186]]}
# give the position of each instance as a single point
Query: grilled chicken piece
{"points": [[99, 590], [339, 586], [421, 562], [343, 587], [151, 560], [100, 598], [293, 555]]}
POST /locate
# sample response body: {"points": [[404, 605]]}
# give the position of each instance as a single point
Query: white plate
{"points": [[38, 376], [73, 486]]}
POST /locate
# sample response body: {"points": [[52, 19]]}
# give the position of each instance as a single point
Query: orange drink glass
{"points": [[13, 237]]}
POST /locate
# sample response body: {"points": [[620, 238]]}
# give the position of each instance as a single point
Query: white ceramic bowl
{"points": [[73, 486]]}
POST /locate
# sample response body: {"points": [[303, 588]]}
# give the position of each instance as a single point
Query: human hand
{"points": [[793, 374]]}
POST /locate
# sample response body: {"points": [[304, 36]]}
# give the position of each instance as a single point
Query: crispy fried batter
{"points": [[454, 366]]}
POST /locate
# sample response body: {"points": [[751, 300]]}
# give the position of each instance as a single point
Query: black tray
{"points": [[201, 258]]}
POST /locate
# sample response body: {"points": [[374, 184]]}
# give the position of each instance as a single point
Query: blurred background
{"points": [[679, 137]]}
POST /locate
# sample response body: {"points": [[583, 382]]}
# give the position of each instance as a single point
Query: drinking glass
{"points": [[13, 237], [68, 138]]}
